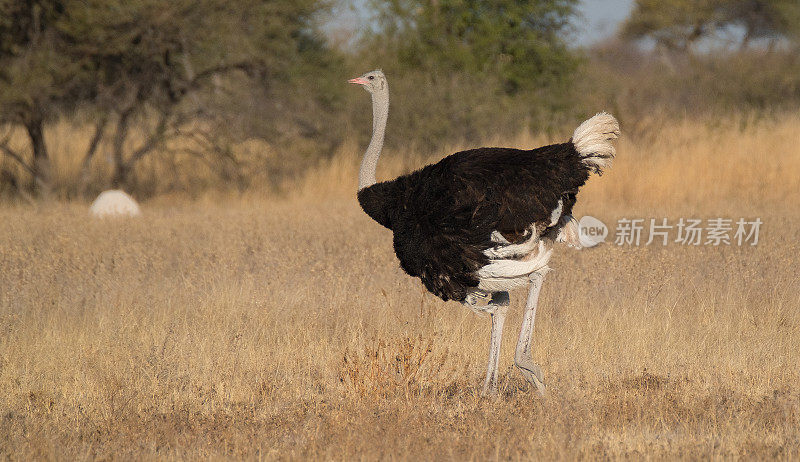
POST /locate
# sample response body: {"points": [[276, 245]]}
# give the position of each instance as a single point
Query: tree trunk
{"points": [[121, 168], [120, 178], [41, 161], [86, 165]]}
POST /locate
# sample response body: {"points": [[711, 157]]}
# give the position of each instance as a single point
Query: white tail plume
{"points": [[593, 141]]}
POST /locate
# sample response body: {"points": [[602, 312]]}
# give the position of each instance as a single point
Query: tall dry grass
{"points": [[255, 327], [685, 165]]}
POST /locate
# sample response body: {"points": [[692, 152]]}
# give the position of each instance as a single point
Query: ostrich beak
{"points": [[358, 80]]}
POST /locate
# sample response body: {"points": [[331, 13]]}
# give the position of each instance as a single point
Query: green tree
{"points": [[521, 42], [158, 66], [677, 25], [761, 19], [465, 70], [38, 78]]}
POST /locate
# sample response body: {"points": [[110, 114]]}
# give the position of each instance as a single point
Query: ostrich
{"points": [[481, 222]]}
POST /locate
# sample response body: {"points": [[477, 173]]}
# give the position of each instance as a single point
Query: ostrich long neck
{"points": [[380, 112]]}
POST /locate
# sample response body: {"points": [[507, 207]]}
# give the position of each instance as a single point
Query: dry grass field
{"points": [[283, 328]]}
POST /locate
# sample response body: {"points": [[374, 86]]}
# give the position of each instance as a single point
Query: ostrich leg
{"points": [[522, 357], [498, 307]]}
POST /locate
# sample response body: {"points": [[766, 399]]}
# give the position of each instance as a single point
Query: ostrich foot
{"points": [[489, 391], [522, 358], [533, 374]]}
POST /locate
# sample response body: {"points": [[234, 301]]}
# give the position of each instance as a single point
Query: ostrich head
{"points": [[373, 81]]}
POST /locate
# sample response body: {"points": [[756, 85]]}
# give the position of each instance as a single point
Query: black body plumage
{"points": [[443, 215]]}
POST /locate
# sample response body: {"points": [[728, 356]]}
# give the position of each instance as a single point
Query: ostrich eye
{"points": [[372, 77]]}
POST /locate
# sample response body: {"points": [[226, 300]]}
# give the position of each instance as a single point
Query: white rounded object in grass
{"points": [[114, 203]]}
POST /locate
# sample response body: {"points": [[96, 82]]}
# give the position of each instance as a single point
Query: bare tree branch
{"points": [[12, 154], [99, 130], [212, 71], [153, 141]]}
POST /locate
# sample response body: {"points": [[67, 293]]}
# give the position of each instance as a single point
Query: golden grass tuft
{"points": [[254, 327]]}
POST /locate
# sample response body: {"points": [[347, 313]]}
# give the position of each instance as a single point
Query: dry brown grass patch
{"points": [[261, 328]]}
